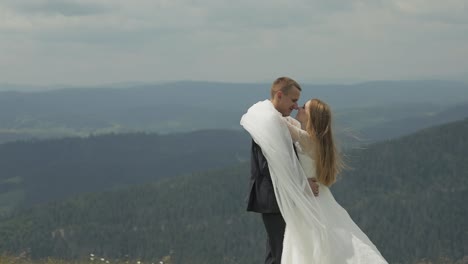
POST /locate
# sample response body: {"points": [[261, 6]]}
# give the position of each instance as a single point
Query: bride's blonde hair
{"points": [[327, 158]]}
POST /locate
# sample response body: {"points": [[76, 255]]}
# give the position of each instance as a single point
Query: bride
{"points": [[318, 229]]}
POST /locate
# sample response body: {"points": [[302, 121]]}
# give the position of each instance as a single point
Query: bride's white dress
{"points": [[318, 229], [348, 244]]}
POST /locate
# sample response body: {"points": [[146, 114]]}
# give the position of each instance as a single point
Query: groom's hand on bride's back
{"points": [[314, 186]]}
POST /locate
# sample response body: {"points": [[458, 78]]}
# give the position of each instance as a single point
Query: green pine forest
{"points": [[408, 194]]}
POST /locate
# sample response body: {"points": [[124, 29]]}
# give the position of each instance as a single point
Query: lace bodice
{"points": [[308, 164], [304, 146]]}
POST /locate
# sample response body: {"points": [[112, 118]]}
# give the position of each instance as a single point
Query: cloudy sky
{"points": [[88, 42]]}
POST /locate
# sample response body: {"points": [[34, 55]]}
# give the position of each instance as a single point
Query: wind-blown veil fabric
{"points": [[296, 201], [318, 229]]}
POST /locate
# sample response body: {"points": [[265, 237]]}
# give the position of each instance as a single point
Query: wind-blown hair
{"points": [[327, 158]]}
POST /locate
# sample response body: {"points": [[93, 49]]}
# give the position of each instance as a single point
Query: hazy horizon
{"points": [[25, 87]]}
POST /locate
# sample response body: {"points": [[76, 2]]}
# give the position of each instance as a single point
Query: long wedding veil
{"points": [[296, 201]]}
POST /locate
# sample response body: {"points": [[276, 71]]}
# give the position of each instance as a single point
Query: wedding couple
{"points": [[293, 163]]}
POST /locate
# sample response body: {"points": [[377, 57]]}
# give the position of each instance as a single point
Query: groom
{"points": [[285, 93]]}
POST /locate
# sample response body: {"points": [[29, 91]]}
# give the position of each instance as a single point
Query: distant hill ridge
{"points": [[234, 95], [189, 106]]}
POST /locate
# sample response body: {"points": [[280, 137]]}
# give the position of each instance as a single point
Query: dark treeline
{"points": [[407, 194], [48, 170]]}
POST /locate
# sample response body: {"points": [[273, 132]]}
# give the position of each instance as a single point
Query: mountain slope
{"points": [[407, 194], [415, 188], [40, 171]]}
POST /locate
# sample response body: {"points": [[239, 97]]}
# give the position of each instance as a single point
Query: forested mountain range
{"points": [[33, 172], [408, 194], [189, 106], [415, 188]]}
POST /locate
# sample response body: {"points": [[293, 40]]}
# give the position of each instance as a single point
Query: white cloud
{"points": [[94, 41]]}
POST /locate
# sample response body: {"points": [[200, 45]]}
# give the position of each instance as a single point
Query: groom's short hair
{"points": [[284, 84]]}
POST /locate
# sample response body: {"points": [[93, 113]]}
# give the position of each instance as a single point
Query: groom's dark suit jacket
{"points": [[262, 197]]}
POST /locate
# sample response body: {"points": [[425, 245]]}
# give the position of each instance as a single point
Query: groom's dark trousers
{"points": [[262, 200]]}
